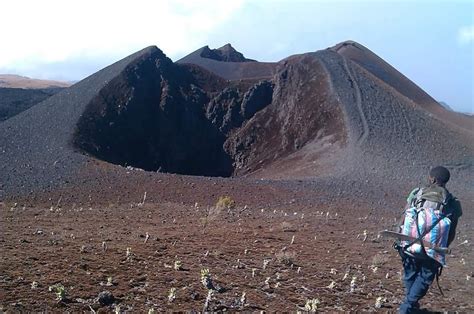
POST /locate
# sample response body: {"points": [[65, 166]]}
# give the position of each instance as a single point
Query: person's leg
{"points": [[411, 271], [420, 286]]}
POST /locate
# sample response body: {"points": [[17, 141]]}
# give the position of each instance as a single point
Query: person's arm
{"points": [[456, 213]]}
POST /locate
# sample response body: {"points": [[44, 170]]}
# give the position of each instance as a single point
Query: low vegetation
{"points": [[225, 202]]}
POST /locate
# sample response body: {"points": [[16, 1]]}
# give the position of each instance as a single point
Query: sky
{"points": [[430, 42]]}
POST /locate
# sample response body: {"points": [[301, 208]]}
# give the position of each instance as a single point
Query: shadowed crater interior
{"points": [[161, 116]]}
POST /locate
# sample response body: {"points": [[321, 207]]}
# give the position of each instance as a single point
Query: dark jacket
{"points": [[453, 208]]}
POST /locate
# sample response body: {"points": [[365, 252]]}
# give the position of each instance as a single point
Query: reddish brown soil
{"points": [[63, 244]]}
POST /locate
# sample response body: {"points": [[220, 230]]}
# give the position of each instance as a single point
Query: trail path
{"points": [[358, 99]]}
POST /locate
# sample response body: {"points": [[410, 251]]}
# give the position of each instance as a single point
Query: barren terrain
{"points": [[307, 246], [316, 153]]}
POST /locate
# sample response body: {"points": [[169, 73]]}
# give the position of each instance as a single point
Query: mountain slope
{"points": [[15, 100], [317, 116], [17, 81], [36, 144], [396, 80]]}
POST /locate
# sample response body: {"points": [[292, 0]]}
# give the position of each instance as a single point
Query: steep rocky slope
{"points": [[386, 127], [168, 117], [400, 83], [35, 145]]}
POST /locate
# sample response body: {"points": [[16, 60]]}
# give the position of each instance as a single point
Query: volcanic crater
{"points": [[326, 115], [181, 118]]}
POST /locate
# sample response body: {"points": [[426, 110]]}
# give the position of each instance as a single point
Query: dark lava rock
{"points": [[231, 107], [229, 64], [226, 53], [105, 298], [151, 117], [257, 98], [195, 296]]}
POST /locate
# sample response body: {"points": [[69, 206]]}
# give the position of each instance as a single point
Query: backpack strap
{"points": [[438, 274], [447, 199]]}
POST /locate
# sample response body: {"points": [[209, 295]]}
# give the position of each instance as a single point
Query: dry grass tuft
{"points": [[380, 259], [225, 202], [286, 257]]}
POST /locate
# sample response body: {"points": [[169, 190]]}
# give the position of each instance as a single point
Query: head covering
{"points": [[440, 174]]}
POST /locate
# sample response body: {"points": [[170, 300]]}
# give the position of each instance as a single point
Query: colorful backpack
{"points": [[426, 220]]}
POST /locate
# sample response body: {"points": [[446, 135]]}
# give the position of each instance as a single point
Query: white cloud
{"points": [[44, 32], [466, 34]]}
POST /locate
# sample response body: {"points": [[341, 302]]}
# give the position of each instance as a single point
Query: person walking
{"points": [[431, 215]]}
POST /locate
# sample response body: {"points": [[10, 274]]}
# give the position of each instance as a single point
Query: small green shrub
{"points": [[59, 290]]}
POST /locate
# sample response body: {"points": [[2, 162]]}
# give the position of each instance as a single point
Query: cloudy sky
{"points": [[431, 42]]}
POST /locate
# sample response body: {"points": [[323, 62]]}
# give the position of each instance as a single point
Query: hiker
{"points": [[431, 214]]}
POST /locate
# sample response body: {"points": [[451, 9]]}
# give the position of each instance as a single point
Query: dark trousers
{"points": [[418, 276]]}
